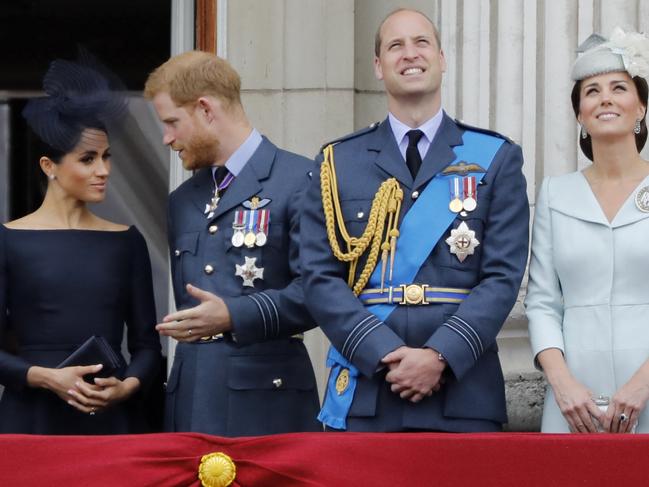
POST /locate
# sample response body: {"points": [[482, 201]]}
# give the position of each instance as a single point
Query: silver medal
{"points": [[260, 239], [237, 238], [249, 271]]}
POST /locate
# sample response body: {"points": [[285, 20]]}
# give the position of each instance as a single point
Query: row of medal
{"points": [[463, 194], [462, 241], [250, 228]]}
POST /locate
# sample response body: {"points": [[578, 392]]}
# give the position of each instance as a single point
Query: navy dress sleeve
{"points": [[13, 369], [143, 340]]}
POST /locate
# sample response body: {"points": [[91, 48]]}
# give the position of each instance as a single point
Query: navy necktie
{"points": [[413, 158]]}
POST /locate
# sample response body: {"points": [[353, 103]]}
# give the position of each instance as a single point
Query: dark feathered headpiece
{"points": [[79, 95]]}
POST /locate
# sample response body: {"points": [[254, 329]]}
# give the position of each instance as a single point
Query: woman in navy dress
{"points": [[66, 274]]}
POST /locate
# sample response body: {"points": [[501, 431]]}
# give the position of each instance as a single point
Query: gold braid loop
{"points": [[385, 206]]}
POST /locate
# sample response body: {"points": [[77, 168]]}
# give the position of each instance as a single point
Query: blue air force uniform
{"points": [[258, 379], [463, 330]]}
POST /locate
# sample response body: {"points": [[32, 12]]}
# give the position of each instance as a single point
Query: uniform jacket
{"points": [[587, 294], [261, 381], [472, 398]]}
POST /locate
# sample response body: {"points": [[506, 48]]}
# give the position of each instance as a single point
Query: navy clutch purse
{"points": [[95, 350]]}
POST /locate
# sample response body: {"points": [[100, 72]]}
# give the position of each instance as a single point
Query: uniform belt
{"points": [[215, 338], [413, 294], [228, 337]]}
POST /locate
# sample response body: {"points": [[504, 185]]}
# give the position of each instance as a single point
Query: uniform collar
{"points": [[242, 155], [429, 127]]}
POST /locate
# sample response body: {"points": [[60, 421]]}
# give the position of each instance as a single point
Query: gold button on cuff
{"points": [[208, 269], [177, 253], [415, 195], [212, 229]]}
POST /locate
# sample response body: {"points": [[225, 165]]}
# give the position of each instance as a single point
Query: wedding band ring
{"points": [[623, 418], [189, 332]]}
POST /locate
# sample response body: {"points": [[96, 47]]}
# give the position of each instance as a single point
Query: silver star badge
{"points": [[462, 241], [249, 271]]}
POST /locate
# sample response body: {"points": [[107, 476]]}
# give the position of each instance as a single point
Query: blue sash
{"points": [[431, 212]]}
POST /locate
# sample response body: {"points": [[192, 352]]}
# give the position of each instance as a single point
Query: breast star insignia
{"points": [[462, 241], [249, 271]]}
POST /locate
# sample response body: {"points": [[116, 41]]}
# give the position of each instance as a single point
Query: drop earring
{"points": [[637, 128], [584, 134]]}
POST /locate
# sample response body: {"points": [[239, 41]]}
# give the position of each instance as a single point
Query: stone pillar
{"points": [[296, 61], [182, 39]]}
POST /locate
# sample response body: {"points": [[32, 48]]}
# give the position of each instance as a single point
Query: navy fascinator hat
{"points": [[79, 95]]}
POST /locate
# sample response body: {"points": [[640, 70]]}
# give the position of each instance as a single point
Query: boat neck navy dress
{"points": [[58, 288]]}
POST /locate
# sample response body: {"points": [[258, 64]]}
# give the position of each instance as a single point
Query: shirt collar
{"points": [[242, 155], [429, 127]]}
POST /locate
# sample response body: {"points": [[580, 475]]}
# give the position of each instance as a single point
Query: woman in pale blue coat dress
{"points": [[588, 298]]}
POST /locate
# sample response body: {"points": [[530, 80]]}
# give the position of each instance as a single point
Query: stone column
{"points": [[296, 61]]}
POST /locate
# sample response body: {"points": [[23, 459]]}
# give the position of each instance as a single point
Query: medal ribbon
{"points": [[429, 211], [259, 220], [252, 220], [469, 187], [264, 220], [227, 180], [454, 184], [238, 218]]}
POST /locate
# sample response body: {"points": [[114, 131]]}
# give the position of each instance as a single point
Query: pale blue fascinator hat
{"points": [[624, 51]]}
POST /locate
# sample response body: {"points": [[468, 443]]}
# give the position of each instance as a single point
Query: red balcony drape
{"points": [[329, 459]]}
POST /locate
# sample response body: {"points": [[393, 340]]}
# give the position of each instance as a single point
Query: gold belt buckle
{"points": [[413, 294]]}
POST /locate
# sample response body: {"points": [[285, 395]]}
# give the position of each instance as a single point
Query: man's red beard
{"points": [[200, 151]]}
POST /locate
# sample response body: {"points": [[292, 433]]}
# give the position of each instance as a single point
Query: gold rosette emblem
{"points": [[216, 470], [342, 381]]}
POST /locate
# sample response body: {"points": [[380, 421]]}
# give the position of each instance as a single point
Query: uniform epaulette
{"points": [[483, 131], [353, 135]]}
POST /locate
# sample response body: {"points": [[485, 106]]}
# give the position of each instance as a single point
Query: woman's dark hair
{"points": [[42, 149], [640, 139], [79, 95]]}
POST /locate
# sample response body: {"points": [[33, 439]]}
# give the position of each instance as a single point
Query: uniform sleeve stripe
{"points": [[468, 329], [275, 312], [271, 331], [472, 330], [261, 311], [376, 325], [360, 334], [353, 337], [466, 339], [349, 337]]}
